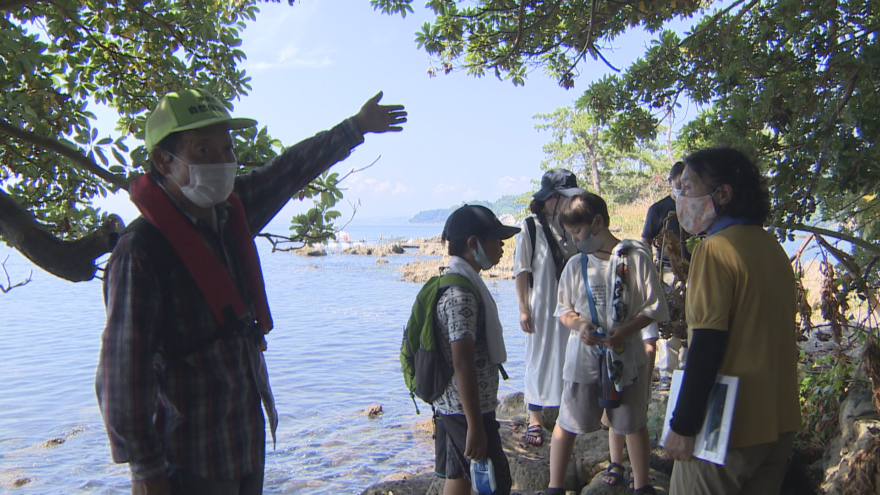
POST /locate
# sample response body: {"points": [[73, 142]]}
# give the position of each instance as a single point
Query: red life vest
{"points": [[209, 273]]}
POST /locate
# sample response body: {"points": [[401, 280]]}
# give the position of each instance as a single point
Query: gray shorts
{"points": [[580, 411], [450, 440]]}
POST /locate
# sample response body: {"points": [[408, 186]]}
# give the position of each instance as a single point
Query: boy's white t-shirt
{"points": [[645, 298]]}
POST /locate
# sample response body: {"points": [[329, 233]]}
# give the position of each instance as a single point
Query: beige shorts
{"points": [[580, 412]]}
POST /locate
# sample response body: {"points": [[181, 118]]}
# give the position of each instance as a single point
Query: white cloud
{"points": [[443, 188], [401, 188], [514, 184], [382, 186], [472, 193], [293, 56]]}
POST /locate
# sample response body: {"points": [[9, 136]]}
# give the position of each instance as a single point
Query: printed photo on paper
{"points": [[711, 442]]}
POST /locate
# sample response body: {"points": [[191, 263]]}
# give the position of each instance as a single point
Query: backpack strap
{"points": [[530, 224], [451, 279], [594, 315], [555, 251]]}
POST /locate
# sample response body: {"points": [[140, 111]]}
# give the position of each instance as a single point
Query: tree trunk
{"points": [[70, 260], [594, 172]]}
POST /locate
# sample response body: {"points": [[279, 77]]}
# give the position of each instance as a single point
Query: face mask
{"points": [[209, 184], [696, 215], [590, 243], [481, 258], [676, 192]]}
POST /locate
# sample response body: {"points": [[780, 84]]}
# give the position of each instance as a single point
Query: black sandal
{"points": [[534, 435], [646, 490], [616, 478]]}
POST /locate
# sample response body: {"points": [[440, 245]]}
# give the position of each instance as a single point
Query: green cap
{"points": [[186, 110]]}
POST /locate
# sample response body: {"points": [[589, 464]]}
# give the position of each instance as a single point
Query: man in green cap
{"points": [[181, 375]]}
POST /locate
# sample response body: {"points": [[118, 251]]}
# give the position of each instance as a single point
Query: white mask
{"points": [[676, 192], [481, 258], [591, 242], [209, 184]]}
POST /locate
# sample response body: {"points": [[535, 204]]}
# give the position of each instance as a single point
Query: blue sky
{"points": [[315, 63]]}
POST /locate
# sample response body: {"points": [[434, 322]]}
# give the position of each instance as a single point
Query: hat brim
{"points": [[544, 194], [231, 123], [569, 191], [506, 232]]}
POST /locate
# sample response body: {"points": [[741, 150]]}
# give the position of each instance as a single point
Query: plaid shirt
{"points": [[201, 412]]}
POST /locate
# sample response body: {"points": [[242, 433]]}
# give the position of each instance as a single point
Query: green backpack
{"points": [[425, 369]]}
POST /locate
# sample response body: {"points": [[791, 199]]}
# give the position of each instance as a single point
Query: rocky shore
{"points": [[850, 463], [420, 270], [530, 465]]}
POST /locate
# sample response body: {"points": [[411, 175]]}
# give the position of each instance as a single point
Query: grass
{"points": [[627, 220]]}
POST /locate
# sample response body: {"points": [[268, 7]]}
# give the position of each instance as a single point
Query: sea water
{"points": [[334, 351]]}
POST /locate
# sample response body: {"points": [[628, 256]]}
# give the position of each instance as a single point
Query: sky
{"points": [[315, 63]]}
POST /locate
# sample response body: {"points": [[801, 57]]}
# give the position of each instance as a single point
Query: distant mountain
{"points": [[506, 205]]}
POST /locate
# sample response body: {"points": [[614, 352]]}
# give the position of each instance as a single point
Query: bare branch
{"points": [[9, 285], [356, 170], [63, 149]]}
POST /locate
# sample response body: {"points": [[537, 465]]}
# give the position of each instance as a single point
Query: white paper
{"points": [[711, 442]]}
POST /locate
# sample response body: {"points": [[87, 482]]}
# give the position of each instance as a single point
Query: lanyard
{"points": [[593, 313]]}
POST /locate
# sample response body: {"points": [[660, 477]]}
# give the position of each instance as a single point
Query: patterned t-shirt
{"points": [[457, 318]]}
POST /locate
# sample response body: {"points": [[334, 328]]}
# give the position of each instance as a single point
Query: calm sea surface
{"points": [[333, 352]]}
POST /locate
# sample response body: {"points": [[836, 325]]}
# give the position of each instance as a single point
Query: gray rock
{"points": [[403, 484], [859, 426], [857, 405], [598, 486], [512, 408]]}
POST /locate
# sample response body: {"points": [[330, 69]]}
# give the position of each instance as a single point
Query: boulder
{"points": [[852, 461], [373, 410], [310, 251], [597, 486], [404, 484], [374, 250], [381, 261]]}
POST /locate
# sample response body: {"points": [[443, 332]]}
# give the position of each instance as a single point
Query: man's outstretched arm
{"points": [[266, 190]]}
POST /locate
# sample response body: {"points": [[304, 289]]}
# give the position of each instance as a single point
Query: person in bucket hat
{"points": [[542, 248], [181, 380]]}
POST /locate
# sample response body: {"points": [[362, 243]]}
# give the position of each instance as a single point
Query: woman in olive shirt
{"points": [[741, 322]]}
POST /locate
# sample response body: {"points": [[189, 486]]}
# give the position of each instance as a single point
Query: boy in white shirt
{"points": [[626, 297]]}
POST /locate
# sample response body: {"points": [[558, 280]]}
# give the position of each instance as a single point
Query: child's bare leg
{"points": [[536, 417], [615, 448], [560, 455], [639, 448], [457, 486]]}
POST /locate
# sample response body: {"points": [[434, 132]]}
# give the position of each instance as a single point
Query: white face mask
{"points": [[676, 192], [209, 184], [591, 242], [481, 258]]}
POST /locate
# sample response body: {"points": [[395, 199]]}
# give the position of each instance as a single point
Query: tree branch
{"points": [[70, 260], [874, 248], [8, 5], [64, 150], [853, 268], [9, 284]]}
